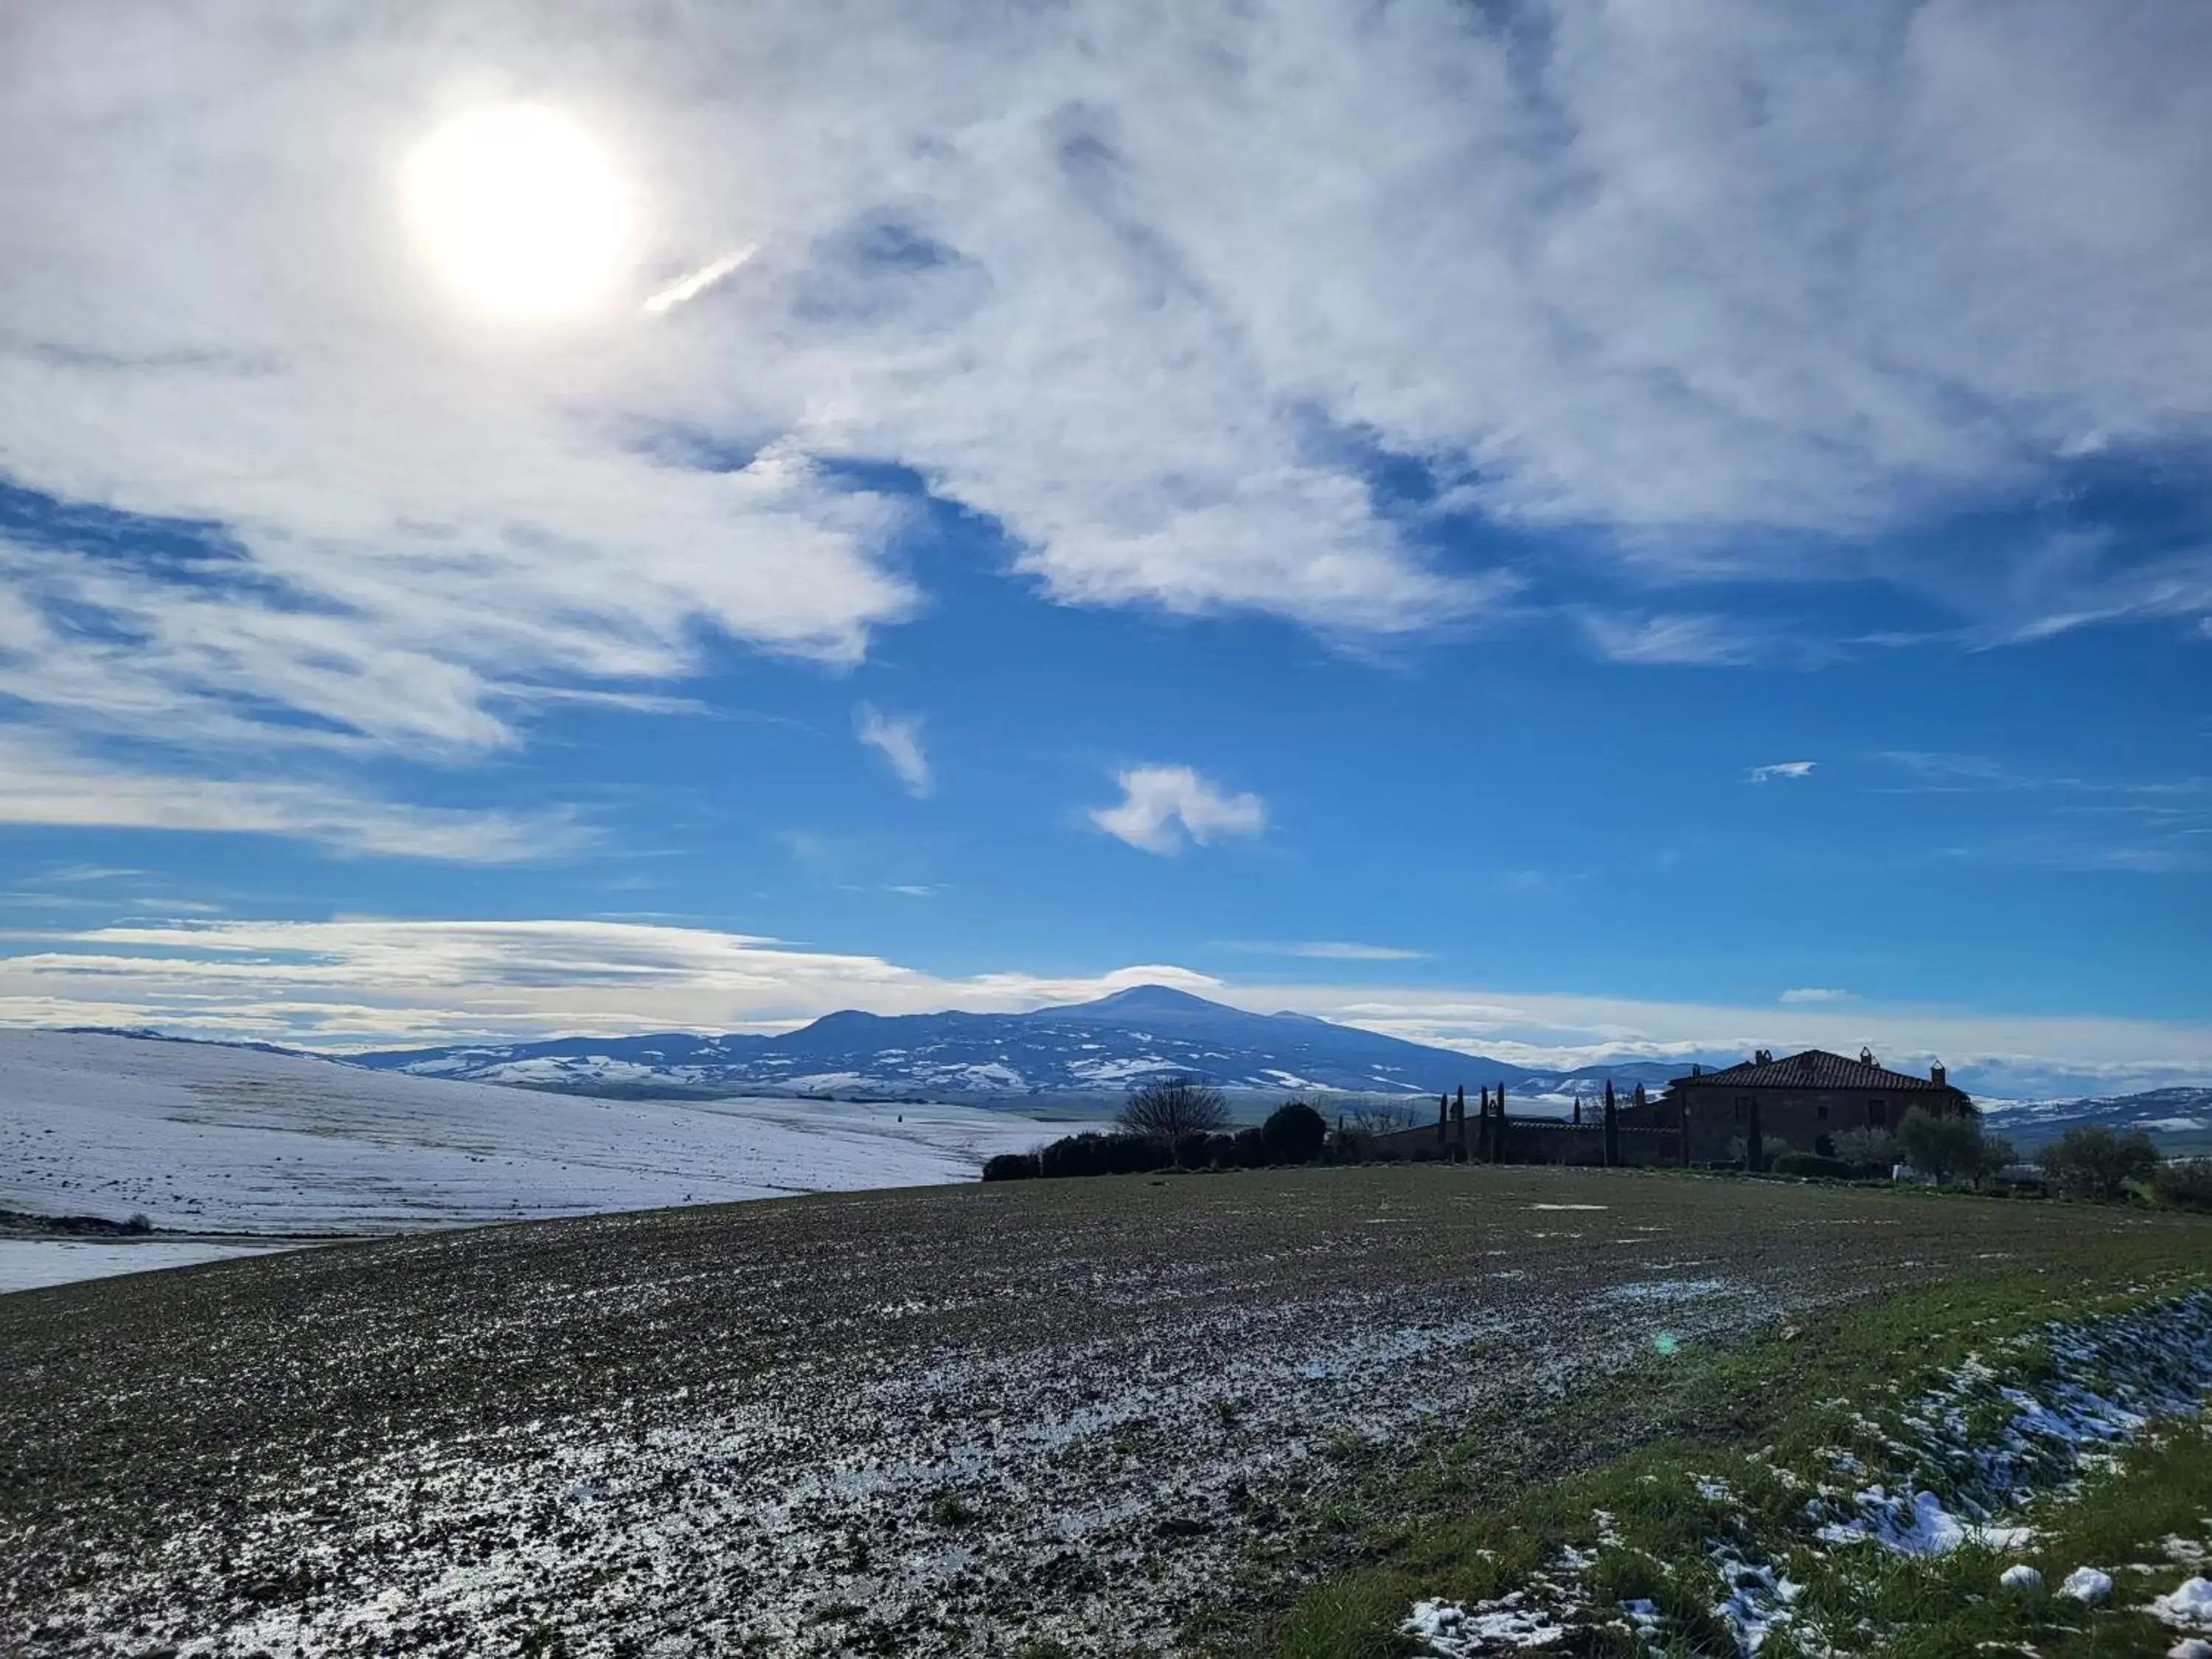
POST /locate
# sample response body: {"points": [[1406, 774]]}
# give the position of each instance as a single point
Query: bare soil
{"points": [[941, 1421]]}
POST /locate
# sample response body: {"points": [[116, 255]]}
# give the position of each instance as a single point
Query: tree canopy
{"points": [[2093, 1161]]}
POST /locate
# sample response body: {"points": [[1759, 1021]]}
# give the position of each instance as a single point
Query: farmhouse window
{"points": [[1823, 1114], [1877, 1114]]}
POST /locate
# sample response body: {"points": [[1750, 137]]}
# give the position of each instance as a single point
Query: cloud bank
{"points": [[1734, 288], [369, 982]]}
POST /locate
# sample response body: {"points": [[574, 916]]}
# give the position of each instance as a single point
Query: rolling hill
{"points": [[219, 1138]]}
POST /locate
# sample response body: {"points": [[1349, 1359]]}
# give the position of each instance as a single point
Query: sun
{"points": [[520, 209]]}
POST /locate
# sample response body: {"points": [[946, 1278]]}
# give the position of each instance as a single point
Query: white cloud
{"points": [[1328, 951], [367, 982], [1797, 768], [897, 738], [1810, 993], [41, 785], [1161, 807], [1142, 283]]}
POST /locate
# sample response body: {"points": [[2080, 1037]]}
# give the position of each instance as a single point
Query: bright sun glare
{"points": [[520, 209]]}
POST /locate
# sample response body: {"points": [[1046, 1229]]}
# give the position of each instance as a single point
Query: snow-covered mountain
{"points": [[1104, 1045], [2179, 1119]]}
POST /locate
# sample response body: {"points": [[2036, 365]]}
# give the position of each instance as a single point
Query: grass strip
{"points": [[1686, 1481]]}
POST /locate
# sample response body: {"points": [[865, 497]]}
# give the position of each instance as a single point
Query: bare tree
{"points": [[1382, 1116], [1167, 1108]]}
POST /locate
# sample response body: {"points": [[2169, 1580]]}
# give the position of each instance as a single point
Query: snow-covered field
{"points": [[217, 1140], [29, 1264]]}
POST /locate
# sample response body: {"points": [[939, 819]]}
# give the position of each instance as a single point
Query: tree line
{"points": [[2089, 1161], [1171, 1123]]}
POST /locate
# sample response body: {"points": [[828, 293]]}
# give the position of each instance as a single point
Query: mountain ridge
{"points": [[1091, 1047]]}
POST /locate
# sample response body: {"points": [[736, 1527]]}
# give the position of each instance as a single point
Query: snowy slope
{"points": [[219, 1139], [2179, 1120]]}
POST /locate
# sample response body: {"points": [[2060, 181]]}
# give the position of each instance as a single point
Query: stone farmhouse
{"points": [[1799, 1101]]}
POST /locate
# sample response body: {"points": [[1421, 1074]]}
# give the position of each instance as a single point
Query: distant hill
{"points": [[2179, 1119], [1085, 1048], [231, 1137]]}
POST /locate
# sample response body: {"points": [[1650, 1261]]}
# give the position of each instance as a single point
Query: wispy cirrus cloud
{"points": [[1803, 996], [1328, 950], [897, 738], [693, 283], [41, 785], [1698, 641], [1163, 808], [1782, 769], [2062, 821]]}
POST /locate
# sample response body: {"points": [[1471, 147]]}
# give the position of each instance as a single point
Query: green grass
{"points": [[1763, 1417]]}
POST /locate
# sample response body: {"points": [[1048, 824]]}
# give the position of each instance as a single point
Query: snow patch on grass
{"points": [[1460, 1632], [1992, 1439]]}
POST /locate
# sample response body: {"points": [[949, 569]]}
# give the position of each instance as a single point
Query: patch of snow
{"points": [[2108, 1380], [1570, 1206], [2021, 1576], [2190, 1605], [1759, 1599], [2189, 1647], [2087, 1585], [1919, 1526], [1664, 1290], [1457, 1632]]}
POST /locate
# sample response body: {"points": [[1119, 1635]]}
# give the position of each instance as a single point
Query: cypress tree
{"points": [[1754, 1150], [1612, 1129]]}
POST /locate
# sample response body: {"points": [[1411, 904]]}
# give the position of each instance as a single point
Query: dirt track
{"points": [[940, 1421]]}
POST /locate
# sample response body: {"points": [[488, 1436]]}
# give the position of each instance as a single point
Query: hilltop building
{"points": [[1798, 1101]]}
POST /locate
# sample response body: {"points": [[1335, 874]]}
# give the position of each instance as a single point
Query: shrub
{"points": [[1194, 1151], [2095, 1162], [2186, 1185], [1083, 1154], [1168, 1108], [1946, 1145], [1868, 1149], [1294, 1133], [1251, 1148], [1012, 1166], [1812, 1165]]}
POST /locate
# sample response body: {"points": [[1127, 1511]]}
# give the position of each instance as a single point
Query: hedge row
{"points": [[1294, 1133]]}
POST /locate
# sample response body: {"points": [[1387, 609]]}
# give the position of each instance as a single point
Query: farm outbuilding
{"points": [[1798, 1101]]}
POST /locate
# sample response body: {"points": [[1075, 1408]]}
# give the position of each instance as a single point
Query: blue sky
{"points": [[1554, 532]]}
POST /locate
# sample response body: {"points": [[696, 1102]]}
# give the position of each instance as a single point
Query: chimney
{"points": [[1866, 1056], [1935, 1074], [1696, 1069]]}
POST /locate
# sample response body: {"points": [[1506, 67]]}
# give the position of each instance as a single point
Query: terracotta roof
{"points": [[1816, 1068]]}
